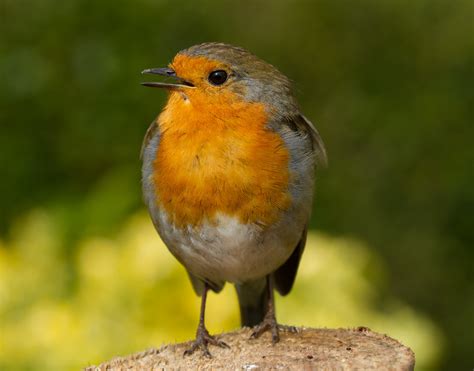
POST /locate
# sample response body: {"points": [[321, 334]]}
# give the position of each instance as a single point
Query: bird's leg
{"points": [[269, 322], [203, 339]]}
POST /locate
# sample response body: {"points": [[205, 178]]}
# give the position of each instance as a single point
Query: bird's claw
{"points": [[270, 324], [203, 339]]}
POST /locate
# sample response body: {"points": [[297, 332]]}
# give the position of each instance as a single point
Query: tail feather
{"points": [[253, 301]]}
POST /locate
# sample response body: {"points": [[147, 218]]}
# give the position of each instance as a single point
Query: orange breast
{"points": [[219, 158]]}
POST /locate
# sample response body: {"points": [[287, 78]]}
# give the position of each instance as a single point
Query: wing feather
{"points": [[285, 275], [318, 144]]}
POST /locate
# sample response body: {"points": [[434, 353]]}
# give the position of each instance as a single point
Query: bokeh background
{"points": [[83, 276]]}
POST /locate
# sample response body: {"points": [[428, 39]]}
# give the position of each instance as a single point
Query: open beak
{"points": [[168, 72]]}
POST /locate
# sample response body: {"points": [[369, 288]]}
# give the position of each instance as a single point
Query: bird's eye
{"points": [[217, 77]]}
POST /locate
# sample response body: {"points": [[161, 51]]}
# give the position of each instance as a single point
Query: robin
{"points": [[228, 176]]}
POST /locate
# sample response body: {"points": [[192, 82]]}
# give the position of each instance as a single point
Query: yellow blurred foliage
{"points": [[115, 296]]}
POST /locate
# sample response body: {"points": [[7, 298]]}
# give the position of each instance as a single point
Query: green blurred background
{"points": [[83, 276]]}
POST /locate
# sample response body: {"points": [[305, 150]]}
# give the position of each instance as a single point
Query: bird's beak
{"points": [[166, 85]]}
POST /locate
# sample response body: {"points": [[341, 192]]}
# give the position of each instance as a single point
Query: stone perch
{"points": [[321, 349]]}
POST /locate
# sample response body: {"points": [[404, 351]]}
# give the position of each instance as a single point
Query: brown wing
{"points": [[284, 277], [318, 144]]}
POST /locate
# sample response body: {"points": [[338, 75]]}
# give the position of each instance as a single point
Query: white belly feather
{"points": [[228, 250]]}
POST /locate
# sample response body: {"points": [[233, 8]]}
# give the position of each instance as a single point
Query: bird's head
{"points": [[221, 73]]}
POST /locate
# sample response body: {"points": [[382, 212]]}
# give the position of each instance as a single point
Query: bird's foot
{"points": [[203, 339], [269, 323]]}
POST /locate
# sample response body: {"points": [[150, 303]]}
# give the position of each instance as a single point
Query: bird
{"points": [[228, 173]]}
